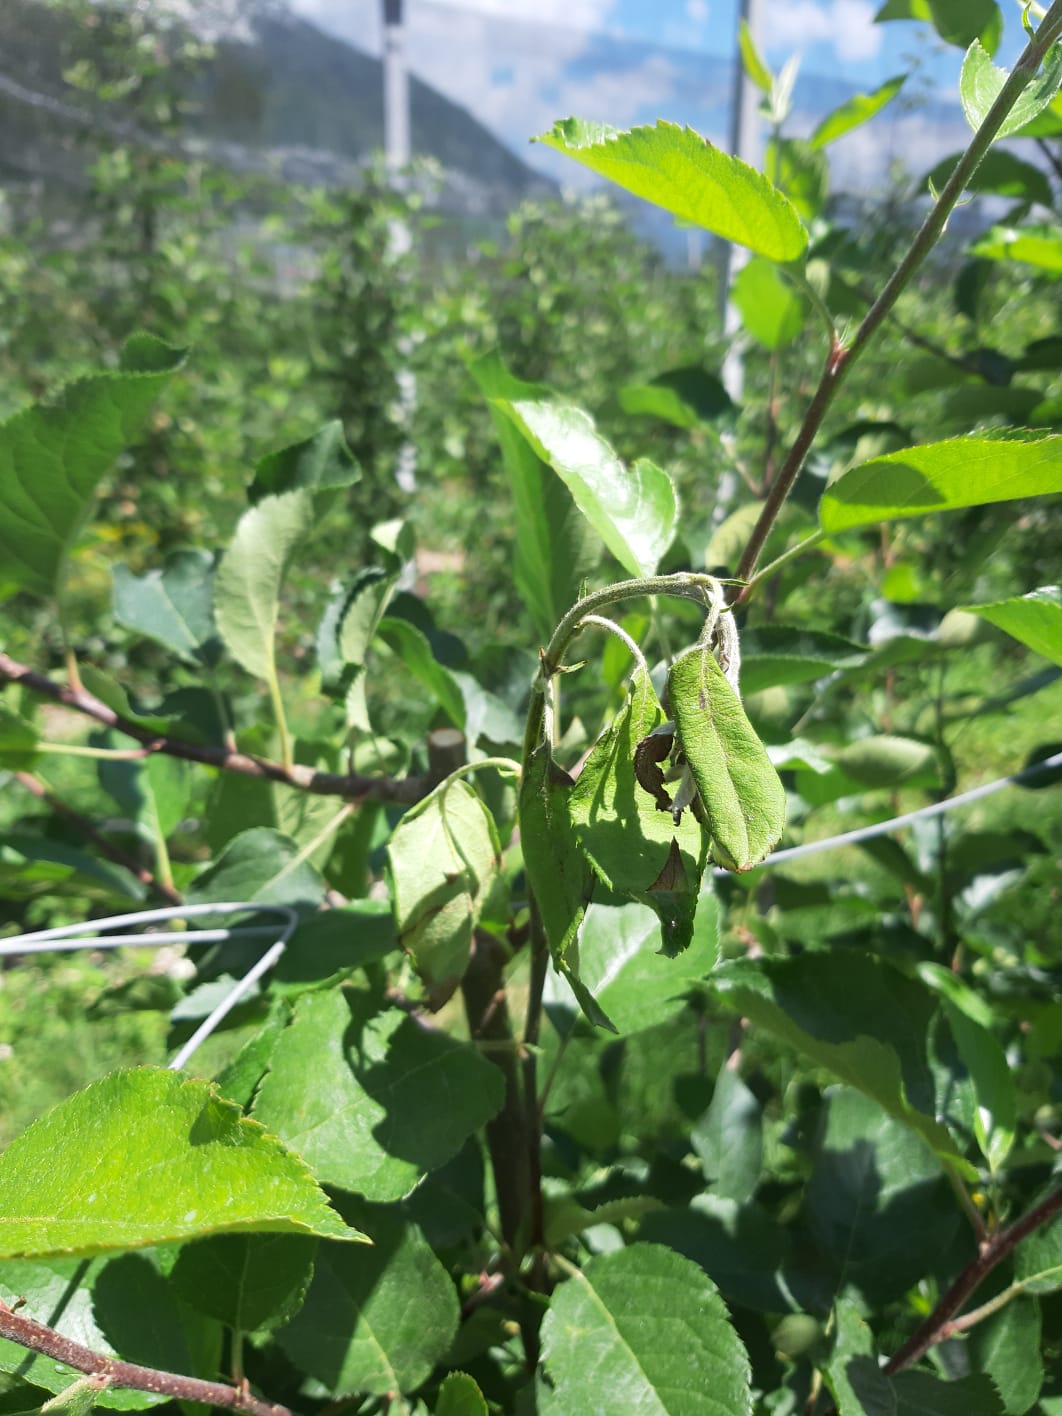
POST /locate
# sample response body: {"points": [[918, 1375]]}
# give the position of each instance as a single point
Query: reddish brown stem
{"points": [[115, 1373], [353, 785], [991, 1252], [91, 833]]}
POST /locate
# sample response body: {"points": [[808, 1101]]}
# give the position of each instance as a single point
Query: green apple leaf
{"points": [[682, 172], [643, 1329], [76, 1182], [54, 453], [941, 477]]}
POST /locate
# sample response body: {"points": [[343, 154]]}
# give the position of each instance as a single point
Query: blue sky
{"points": [[518, 65]]}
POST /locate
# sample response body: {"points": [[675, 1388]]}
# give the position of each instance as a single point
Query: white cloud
{"points": [[697, 10], [572, 14], [847, 25]]}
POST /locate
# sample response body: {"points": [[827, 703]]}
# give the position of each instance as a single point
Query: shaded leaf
{"points": [[876, 1202], [728, 1138], [322, 462], [54, 453], [558, 873], [858, 1017], [247, 1281], [444, 854], [999, 172], [622, 967], [261, 865], [685, 398], [369, 1099], [380, 1325], [781, 654]]}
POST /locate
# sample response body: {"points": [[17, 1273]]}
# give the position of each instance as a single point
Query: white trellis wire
{"points": [[84, 935], [88, 935]]}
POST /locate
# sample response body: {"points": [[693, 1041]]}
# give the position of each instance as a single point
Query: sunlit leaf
{"points": [[682, 172], [942, 476], [74, 1182], [1035, 619], [855, 111], [981, 82]]}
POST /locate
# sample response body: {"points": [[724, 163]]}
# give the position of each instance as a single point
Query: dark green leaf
{"points": [[728, 1138], [622, 967], [444, 856], [923, 1394], [853, 1374], [740, 792], [319, 463], [53, 454], [558, 874], [780, 654], [260, 865], [855, 1015], [685, 398], [247, 1281], [120, 1306], [378, 1326], [370, 1100], [682, 172], [876, 1202], [1000, 173], [959, 22]]}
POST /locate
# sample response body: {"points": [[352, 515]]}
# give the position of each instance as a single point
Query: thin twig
{"points": [[352, 785], [92, 833], [841, 356], [38, 1338], [990, 1253]]}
